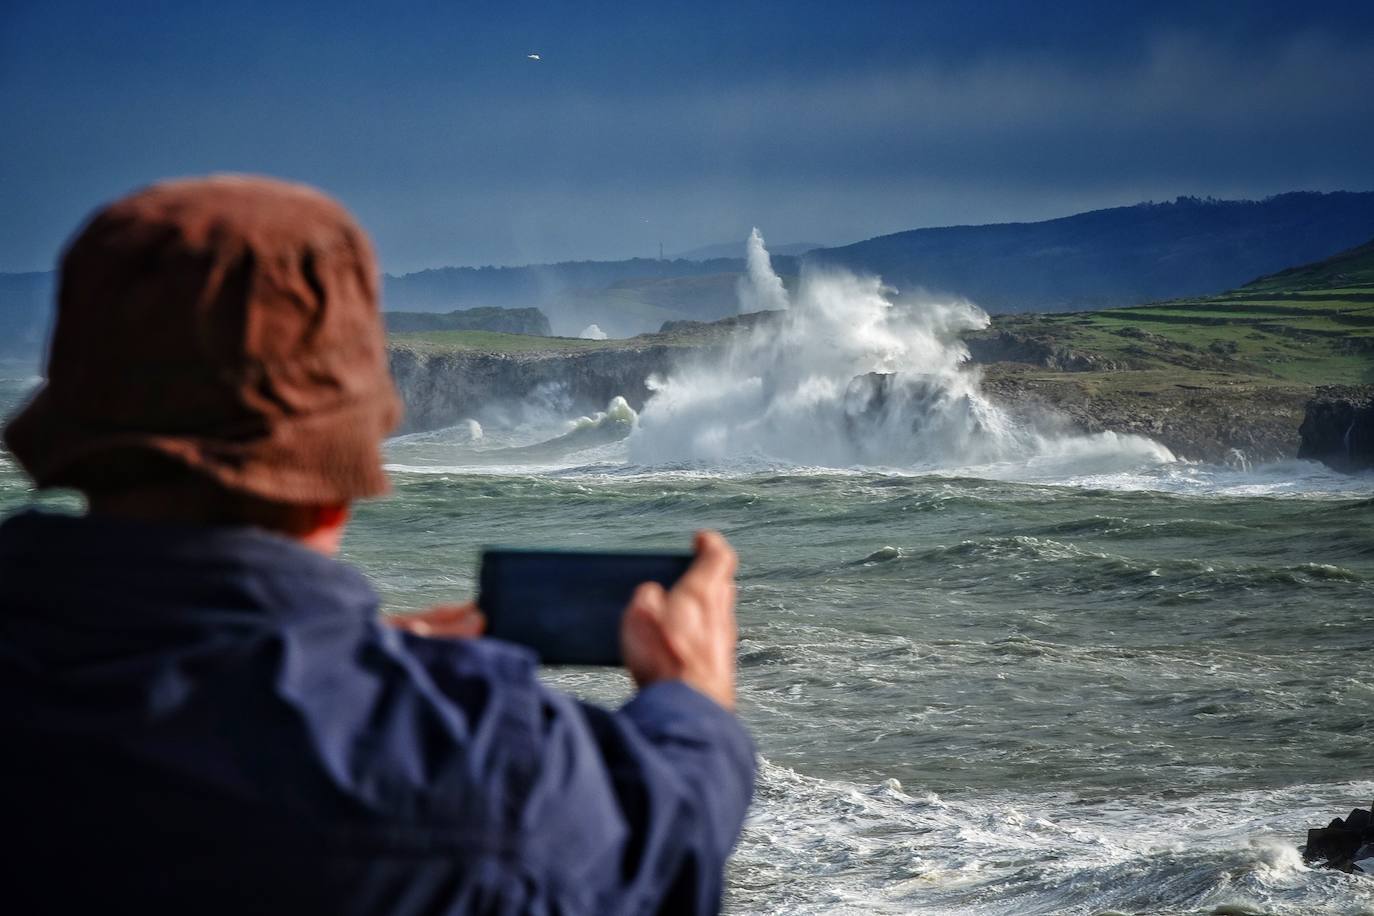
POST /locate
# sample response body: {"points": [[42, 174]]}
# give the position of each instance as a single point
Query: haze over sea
{"points": [[988, 669]]}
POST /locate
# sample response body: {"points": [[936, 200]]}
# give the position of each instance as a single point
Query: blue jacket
{"points": [[202, 720]]}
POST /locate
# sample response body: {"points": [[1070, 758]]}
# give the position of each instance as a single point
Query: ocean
{"points": [[1130, 691]]}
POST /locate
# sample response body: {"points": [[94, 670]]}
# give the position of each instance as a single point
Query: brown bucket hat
{"points": [[227, 325]]}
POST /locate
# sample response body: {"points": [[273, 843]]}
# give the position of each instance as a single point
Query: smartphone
{"points": [[566, 605]]}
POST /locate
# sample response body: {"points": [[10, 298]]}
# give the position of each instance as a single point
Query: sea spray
{"points": [[760, 289], [848, 374]]}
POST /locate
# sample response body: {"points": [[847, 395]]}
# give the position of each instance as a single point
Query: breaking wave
{"points": [[821, 846], [845, 373]]}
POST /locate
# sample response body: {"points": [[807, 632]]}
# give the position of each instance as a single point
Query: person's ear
{"points": [[330, 516]]}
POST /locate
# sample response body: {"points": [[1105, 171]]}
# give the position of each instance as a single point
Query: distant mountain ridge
{"points": [[622, 297], [737, 250], [1119, 256], [1101, 258]]}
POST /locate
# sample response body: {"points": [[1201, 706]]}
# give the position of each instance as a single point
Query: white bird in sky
{"points": [[534, 56]]}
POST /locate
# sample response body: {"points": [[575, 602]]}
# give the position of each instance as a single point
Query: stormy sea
{"points": [[991, 667]]}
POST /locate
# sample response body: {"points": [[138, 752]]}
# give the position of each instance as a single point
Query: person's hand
{"points": [[451, 621], [687, 633]]}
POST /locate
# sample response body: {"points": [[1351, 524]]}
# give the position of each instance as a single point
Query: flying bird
{"points": [[534, 56]]}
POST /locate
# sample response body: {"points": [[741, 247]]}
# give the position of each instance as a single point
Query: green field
{"points": [[691, 334], [428, 342], [433, 342], [1310, 325]]}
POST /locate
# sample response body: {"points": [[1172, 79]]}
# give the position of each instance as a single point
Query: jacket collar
{"points": [[175, 564]]}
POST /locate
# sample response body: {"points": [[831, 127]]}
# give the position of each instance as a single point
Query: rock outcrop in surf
{"points": [[1338, 428], [1346, 844]]}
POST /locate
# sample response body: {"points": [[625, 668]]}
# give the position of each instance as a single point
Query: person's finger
{"points": [[466, 626], [644, 643], [462, 621], [446, 613], [649, 598]]}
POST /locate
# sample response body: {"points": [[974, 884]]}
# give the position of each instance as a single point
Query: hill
{"points": [[1122, 256], [736, 250], [623, 297], [1308, 325], [507, 321], [1114, 257]]}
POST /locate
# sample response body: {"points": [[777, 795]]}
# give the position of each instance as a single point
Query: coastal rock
{"points": [[1344, 844], [440, 389], [1220, 421], [1213, 418], [1009, 347], [1338, 428]]}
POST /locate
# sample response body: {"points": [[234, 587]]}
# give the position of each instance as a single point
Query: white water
{"points": [[842, 848], [846, 375]]}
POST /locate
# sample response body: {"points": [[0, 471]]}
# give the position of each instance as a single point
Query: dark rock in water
{"points": [[1345, 845], [868, 394], [1338, 428]]}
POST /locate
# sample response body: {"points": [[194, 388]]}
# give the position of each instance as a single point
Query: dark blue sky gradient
{"points": [[673, 122]]}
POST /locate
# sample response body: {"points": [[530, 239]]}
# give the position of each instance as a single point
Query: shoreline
{"points": [[1214, 416]]}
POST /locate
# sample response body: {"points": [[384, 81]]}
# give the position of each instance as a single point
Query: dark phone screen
{"points": [[567, 605]]}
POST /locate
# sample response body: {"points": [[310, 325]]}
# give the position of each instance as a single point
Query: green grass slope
{"points": [[1310, 325], [691, 334]]}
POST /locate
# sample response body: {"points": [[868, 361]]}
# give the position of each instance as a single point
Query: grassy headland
{"points": [[678, 334], [1212, 377], [1308, 326]]}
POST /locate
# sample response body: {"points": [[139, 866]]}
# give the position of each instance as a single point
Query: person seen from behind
{"points": [[205, 712]]}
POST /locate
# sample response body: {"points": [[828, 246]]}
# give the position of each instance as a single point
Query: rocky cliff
{"points": [[1217, 418], [1211, 417], [441, 389], [1338, 427]]}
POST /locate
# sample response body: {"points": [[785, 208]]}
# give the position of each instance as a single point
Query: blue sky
{"points": [[674, 122]]}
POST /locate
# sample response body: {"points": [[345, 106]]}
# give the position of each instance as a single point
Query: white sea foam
{"points": [[582, 441], [823, 846], [617, 413], [848, 374]]}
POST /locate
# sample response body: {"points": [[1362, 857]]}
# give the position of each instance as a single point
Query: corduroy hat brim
{"points": [[322, 458], [226, 326]]}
